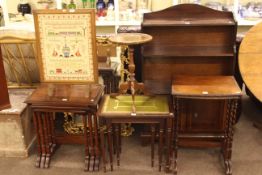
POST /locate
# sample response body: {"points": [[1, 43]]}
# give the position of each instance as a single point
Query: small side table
{"points": [[208, 88], [82, 100], [153, 110]]}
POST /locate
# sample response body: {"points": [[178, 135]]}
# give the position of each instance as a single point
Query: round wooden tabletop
{"points": [[250, 60], [130, 38]]}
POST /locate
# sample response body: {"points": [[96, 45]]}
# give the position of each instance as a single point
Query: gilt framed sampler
{"points": [[66, 46]]}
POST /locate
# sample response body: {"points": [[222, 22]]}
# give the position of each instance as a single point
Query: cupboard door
{"points": [[4, 97], [202, 116]]}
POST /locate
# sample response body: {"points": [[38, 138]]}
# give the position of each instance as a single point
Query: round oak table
{"points": [[250, 62]]}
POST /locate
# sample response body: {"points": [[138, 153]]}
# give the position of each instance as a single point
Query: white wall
{"points": [[12, 5], [159, 4]]}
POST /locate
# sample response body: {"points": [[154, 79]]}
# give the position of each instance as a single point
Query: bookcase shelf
{"points": [[187, 51]]}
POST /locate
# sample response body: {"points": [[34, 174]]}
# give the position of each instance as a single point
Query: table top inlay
{"points": [[122, 105]]}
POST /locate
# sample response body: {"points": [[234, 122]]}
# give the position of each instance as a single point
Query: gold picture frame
{"points": [[66, 46]]}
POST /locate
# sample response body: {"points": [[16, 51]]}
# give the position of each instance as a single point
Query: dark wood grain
{"points": [[4, 97], [109, 74], [194, 41], [191, 40], [192, 13], [205, 110], [204, 86], [250, 62], [62, 95], [188, 39]]}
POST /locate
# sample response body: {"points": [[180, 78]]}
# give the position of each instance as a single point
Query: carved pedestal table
{"points": [[131, 39]]}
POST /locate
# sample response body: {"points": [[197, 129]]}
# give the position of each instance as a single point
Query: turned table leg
{"points": [[51, 131], [97, 148], [109, 140], [153, 134], [176, 114], [117, 144], [87, 160], [46, 138], [160, 151], [91, 141], [169, 123], [102, 141], [37, 129], [231, 117], [42, 140]]}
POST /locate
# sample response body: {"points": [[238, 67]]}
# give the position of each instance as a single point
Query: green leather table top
{"points": [[122, 104]]}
